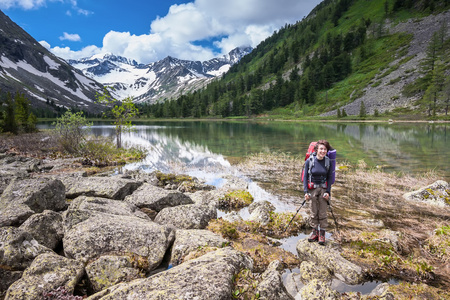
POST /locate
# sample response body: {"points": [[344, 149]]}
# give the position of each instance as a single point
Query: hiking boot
{"points": [[314, 237], [322, 237]]}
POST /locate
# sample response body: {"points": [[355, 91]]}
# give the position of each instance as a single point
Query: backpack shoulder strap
{"points": [[311, 165], [327, 163]]}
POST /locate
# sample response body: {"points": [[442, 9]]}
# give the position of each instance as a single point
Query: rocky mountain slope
{"points": [[164, 79], [29, 68], [387, 95]]}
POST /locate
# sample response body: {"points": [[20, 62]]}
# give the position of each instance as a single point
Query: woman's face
{"points": [[321, 152]]}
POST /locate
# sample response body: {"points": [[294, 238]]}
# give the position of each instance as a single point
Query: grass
{"points": [[94, 152], [235, 199]]}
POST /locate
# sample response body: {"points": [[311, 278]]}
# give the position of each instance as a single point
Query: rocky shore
{"points": [[134, 236]]}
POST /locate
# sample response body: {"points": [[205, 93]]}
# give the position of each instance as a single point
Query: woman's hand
{"points": [[326, 196], [307, 196]]}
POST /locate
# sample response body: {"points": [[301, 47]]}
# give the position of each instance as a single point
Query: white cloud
{"points": [[25, 4], [66, 53], [180, 33], [70, 37]]}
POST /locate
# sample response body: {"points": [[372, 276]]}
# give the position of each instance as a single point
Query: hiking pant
{"points": [[319, 208]]}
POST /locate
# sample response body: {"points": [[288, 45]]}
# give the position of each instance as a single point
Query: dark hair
{"points": [[322, 142]]}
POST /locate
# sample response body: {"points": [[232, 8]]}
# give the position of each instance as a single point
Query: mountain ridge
{"points": [[163, 79], [29, 68]]}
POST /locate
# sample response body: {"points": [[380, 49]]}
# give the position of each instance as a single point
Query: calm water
{"points": [[402, 148], [204, 148]]}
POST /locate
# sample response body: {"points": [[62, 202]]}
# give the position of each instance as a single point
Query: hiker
{"points": [[317, 188]]}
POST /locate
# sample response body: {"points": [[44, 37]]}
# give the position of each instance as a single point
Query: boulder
{"points": [[260, 212], [7, 277], [141, 176], [232, 217], [14, 215], [38, 194], [293, 283], [271, 286], [330, 258], [381, 291], [193, 239], [19, 166], [47, 272], [46, 228], [156, 198], [18, 248], [210, 198], [437, 194], [106, 234], [206, 277], [193, 186], [106, 187], [310, 270], [104, 205], [110, 270], [317, 289], [189, 216]]}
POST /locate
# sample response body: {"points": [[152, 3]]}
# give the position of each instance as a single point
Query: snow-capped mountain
{"points": [[29, 68], [164, 79]]}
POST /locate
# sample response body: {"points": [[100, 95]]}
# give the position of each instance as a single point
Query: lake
{"points": [[404, 148]]}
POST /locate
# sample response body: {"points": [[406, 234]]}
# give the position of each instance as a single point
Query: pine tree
{"points": [[344, 113], [362, 110], [9, 119]]}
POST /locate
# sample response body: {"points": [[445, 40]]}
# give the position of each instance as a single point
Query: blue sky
{"points": [[149, 30]]}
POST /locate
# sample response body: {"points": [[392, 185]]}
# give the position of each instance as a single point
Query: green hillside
{"points": [[326, 64]]}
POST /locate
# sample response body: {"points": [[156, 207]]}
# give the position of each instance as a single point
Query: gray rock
{"points": [[141, 176], [330, 258], [14, 215], [156, 198], [37, 194], [47, 272], [317, 289], [104, 205], [189, 216], [7, 277], [232, 217], [382, 292], [210, 198], [434, 194], [206, 277], [110, 270], [271, 286], [293, 283], [310, 270], [72, 217], [106, 187], [194, 185], [18, 248], [105, 234], [260, 212], [190, 240], [46, 228]]}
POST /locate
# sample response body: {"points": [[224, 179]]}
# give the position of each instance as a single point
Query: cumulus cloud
{"points": [[70, 37], [67, 53], [25, 4], [185, 30]]}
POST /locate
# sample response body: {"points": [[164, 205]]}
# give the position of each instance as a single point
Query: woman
{"points": [[317, 187]]}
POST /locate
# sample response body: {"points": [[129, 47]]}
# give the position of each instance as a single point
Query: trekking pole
{"points": [[295, 215], [335, 221]]}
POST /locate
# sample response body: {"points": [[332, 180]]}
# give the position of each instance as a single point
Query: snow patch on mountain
{"points": [[167, 78]]}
